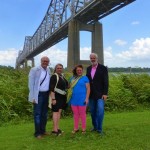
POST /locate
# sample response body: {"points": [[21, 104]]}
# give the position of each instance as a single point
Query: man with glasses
{"points": [[39, 80]]}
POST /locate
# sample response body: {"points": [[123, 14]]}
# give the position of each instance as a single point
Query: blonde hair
{"points": [[57, 66]]}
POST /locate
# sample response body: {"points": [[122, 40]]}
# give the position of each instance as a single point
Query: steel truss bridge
{"points": [[54, 26]]}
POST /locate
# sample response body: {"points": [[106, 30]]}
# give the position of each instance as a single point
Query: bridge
{"points": [[65, 18]]}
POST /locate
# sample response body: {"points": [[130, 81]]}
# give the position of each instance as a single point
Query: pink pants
{"points": [[79, 112]]}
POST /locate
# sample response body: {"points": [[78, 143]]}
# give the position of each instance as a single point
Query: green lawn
{"points": [[123, 131]]}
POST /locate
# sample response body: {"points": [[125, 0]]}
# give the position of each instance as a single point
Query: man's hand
{"points": [[104, 97], [34, 102]]}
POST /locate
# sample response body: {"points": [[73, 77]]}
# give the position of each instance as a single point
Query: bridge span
{"points": [[65, 18]]}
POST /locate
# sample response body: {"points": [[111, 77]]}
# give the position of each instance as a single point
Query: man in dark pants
{"points": [[39, 79], [98, 76]]}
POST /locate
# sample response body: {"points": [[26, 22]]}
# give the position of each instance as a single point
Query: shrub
{"points": [[139, 84], [120, 98], [125, 93], [13, 94]]}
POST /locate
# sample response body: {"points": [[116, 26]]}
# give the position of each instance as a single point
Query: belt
{"points": [[43, 92]]}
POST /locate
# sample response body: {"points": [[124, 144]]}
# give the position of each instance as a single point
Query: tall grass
{"points": [[126, 92], [13, 94]]}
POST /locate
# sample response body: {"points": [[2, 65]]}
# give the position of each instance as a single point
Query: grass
{"points": [[123, 131]]}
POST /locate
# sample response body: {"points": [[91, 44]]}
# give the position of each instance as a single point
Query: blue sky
{"points": [[126, 34]]}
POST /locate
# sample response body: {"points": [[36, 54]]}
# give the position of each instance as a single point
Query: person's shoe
{"points": [[56, 133], [45, 134], [60, 131], [75, 131], [100, 132], [93, 129], [39, 137], [83, 132]]}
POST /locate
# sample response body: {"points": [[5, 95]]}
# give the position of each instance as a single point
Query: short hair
{"points": [[75, 68], [44, 57], [94, 55]]}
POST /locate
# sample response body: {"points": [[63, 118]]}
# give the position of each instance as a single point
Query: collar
{"points": [[94, 67], [43, 68]]}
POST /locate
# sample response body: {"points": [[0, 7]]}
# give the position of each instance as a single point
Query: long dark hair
{"points": [[74, 71]]}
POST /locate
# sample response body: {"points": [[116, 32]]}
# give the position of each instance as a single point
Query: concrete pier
{"points": [[74, 42]]}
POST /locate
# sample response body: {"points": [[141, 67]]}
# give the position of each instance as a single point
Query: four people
{"points": [[39, 79], [80, 97], [58, 86], [98, 76], [91, 89]]}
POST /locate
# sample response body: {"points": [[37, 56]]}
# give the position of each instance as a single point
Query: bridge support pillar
{"points": [[74, 42], [26, 63], [32, 62], [97, 41]]}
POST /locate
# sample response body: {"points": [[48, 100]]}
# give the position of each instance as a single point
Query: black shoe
{"points": [[101, 133], [60, 131], [93, 129], [56, 133], [75, 131]]}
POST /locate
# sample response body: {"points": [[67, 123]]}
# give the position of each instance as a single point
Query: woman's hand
{"points": [[86, 101], [53, 101]]}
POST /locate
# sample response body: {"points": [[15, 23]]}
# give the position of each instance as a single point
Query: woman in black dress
{"points": [[58, 86]]}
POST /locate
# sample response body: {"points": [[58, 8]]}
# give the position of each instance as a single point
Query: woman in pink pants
{"points": [[80, 97]]}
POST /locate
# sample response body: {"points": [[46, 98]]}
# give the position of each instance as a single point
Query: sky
{"points": [[126, 34]]}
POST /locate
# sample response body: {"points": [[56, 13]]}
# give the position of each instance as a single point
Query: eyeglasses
{"points": [[45, 61]]}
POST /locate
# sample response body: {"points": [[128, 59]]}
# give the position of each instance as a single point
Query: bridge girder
{"points": [[54, 26]]}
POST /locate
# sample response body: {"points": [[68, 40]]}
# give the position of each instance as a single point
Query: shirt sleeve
{"points": [[86, 79], [53, 81]]}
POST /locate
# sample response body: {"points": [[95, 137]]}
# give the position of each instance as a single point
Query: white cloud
{"points": [[108, 53], [137, 55], [120, 42], [85, 53], [55, 55], [8, 57], [135, 23], [140, 50], [60, 56]]}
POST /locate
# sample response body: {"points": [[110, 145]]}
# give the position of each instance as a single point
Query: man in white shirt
{"points": [[39, 81]]}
